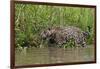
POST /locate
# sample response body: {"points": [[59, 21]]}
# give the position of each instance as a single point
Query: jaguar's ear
{"points": [[49, 28]]}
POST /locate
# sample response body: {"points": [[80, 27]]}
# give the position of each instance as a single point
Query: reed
{"points": [[30, 20]]}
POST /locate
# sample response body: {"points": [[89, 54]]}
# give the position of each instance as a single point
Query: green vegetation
{"points": [[31, 19]]}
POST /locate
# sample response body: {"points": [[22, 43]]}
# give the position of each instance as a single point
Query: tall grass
{"points": [[31, 19]]}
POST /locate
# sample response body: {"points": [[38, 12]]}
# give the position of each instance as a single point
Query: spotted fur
{"points": [[61, 35]]}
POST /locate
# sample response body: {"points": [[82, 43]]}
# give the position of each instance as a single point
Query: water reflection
{"points": [[53, 55]]}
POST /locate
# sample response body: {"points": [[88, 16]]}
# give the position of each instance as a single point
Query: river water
{"points": [[52, 55]]}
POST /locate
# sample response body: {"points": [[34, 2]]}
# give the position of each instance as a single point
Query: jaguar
{"points": [[62, 35]]}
